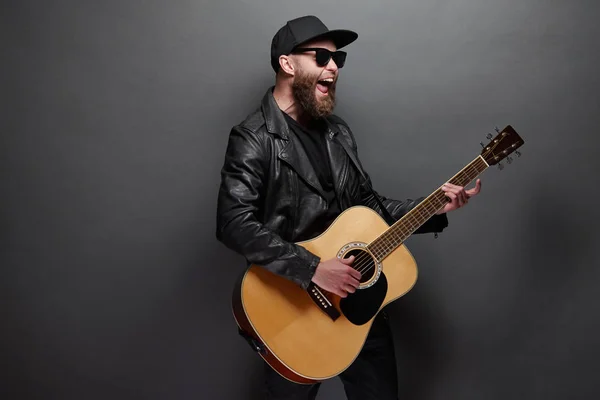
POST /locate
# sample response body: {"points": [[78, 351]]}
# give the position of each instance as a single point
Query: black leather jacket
{"points": [[270, 193]]}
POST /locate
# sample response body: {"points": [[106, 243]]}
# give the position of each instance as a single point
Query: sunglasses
{"points": [[323, 56]]}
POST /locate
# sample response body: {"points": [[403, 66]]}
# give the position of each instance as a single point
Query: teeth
{"points": [[330, 80]]}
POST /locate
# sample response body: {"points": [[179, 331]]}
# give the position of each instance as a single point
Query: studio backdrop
{"points": [[115, 118]]}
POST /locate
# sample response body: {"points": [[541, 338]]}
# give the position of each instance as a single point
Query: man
{"points": [[288, 174]]}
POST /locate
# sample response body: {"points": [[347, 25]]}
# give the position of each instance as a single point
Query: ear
{"points": [[287, 65]]}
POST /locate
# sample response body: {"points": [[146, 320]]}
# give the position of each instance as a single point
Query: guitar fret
{"points": [[386, 246], [402, 229], [376, 253], [394, 238]]}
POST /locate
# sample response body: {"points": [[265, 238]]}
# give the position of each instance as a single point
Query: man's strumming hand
{"points": [[337, 276]]}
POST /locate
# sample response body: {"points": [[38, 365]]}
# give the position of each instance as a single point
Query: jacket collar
{"points": [[292, 152], [274, 119]]}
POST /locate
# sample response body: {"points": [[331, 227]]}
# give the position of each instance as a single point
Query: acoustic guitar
{"points": [[312, 335]]}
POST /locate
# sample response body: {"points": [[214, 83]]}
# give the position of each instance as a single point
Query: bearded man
{"points": [[291, 167]]}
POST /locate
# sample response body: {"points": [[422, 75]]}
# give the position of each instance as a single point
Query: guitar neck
{"points": [[392, 238]]}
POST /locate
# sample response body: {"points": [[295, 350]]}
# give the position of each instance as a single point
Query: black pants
{"points": [[372, 376]]}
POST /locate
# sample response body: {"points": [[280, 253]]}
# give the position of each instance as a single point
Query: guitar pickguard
{"points": [[359, 307]]}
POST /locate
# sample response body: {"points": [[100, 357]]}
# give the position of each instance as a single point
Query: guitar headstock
{"points": [[506, 142]]}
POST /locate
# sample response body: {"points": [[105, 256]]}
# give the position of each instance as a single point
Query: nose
{"points": [[331, 65]]}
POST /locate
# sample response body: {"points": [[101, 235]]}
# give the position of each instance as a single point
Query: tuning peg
{"points": [[500, 166], [497, 130], [489, 136], [482, 145], [509, 159], [518, 153]]}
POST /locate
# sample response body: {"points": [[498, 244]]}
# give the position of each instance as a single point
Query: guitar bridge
{"points": [[322, 301]]}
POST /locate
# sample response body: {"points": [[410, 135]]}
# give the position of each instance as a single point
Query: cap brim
{"points": [[341, 37]]}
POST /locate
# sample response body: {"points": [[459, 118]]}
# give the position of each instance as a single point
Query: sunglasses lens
{"points": [[323, 56], [340, 58]]}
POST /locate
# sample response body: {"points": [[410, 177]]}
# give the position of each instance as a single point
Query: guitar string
{"points": [[364, 262], [365, 259], [472, 167], [397, 232]]}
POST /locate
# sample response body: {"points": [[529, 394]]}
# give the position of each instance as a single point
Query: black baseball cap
{"points": [[302, 30]]}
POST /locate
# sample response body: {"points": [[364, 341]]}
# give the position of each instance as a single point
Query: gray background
{"points": [[115, 117]]}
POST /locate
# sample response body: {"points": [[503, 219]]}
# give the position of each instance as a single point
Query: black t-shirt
{"points": [[314, 141]]}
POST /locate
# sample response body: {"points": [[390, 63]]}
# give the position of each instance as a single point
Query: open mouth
{"points": [[324, 84]]}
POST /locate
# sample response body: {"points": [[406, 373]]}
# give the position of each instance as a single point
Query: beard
{"points": [[304, 90]]}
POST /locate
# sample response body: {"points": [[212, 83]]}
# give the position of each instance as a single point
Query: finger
{"points": [[348, 260], [476, 189], [353, 282], [340, 292], [462, 197], [349, 289], [451, 196], [354, 273], [456, 189], [450, 186], [456, 199], [453, 189]]}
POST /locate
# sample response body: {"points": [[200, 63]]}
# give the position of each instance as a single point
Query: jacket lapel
{"points": [[293, 152], [295, 156], [339, 159]]}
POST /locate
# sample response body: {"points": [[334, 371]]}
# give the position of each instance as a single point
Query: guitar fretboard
{"points": [[392, 238]]}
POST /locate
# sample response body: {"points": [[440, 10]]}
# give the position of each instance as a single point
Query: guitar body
{"points": [[311, 335], [298, 339]]}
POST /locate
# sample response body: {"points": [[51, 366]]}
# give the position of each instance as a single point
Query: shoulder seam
{"points": [[253, 121]]}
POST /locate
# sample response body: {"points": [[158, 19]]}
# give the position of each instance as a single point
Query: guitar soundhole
{"points": [[363, 263]]}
